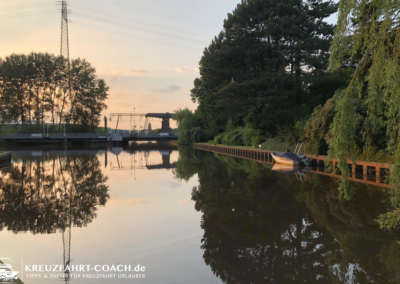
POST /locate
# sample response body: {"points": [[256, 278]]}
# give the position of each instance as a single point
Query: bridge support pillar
{"points": [[165, 124]]}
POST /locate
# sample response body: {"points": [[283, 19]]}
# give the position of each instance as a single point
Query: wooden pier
{"points": [[5, 159], [362, 171]]}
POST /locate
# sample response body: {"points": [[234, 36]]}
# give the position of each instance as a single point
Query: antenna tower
{"points": [[64, 51]]}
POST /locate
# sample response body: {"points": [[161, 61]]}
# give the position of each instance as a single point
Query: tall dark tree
{"points": [[261, 66]]}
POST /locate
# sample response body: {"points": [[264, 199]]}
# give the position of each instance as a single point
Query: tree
{"points": [[261, 66], [373, 49], [36, 86], [88, 95], [189, 127]]}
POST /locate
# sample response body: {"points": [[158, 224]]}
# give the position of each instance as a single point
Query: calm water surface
{"points": [[188, 217]]}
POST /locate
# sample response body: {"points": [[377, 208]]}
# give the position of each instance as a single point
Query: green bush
{"points": [[218, 139], [239, 137], [257, 140], [275, 144], [248, 133], [193, 135], [198, 135], [234, 137]]}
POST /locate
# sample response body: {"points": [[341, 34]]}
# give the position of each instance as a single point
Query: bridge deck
{"points": [[57, 137]]}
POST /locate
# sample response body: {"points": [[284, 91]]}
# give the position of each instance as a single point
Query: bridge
{"points": [[53, 138], [165, 118], [115, 136]]}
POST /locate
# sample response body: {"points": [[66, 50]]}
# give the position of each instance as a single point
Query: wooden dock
{"points": [[362, 171], [5, 159]]}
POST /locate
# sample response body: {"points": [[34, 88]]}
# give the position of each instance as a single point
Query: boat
{"points": [[287, 158], [286, 169]]}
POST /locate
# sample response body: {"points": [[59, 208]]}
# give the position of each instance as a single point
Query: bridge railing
{"points": [[18, 135], [78, 135], [152, 135], [52, 135]]}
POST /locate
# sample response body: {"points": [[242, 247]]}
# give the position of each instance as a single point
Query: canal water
{"points": [[153, 213]]}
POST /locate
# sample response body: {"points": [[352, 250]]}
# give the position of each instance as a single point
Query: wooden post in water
{"points": [[378, 174], [365, 172]]}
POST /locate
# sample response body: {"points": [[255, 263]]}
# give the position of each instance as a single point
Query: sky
{"points": [[148, 51]]}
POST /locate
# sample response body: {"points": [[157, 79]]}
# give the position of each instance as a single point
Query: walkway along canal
{"points": [[362, 171]]}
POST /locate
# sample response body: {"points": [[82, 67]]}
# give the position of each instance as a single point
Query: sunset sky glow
{"points": [[147, 51]]}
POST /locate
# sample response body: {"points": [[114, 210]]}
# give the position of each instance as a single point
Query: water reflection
{"points": [[41, 195], [258, 225], [262, 226], [48, 192]]}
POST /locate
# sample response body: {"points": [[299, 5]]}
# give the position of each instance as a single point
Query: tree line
{"points": [[278, 71], [41, 87], [266, 70]]}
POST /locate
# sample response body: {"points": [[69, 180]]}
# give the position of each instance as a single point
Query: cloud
{"points": [[114, 74], [182, 70], [182, 202], [170, 89], [137, 72], [172, 184], [129, 201]]}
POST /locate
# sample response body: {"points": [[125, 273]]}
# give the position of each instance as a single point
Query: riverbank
{"points": [[361, 171]]}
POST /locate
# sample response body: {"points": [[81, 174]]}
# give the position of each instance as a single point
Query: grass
{"points": [[212, 143], [274, 145]]}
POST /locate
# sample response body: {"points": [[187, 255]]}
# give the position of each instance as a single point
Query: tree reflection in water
{"points": [[261, 226], [40, 196]]}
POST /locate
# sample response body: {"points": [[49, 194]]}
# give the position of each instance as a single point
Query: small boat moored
{"points": [[285, 169], [289, 158]]}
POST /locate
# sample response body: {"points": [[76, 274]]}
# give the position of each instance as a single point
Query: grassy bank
{"points": [[213, 143], [274, 145]]}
